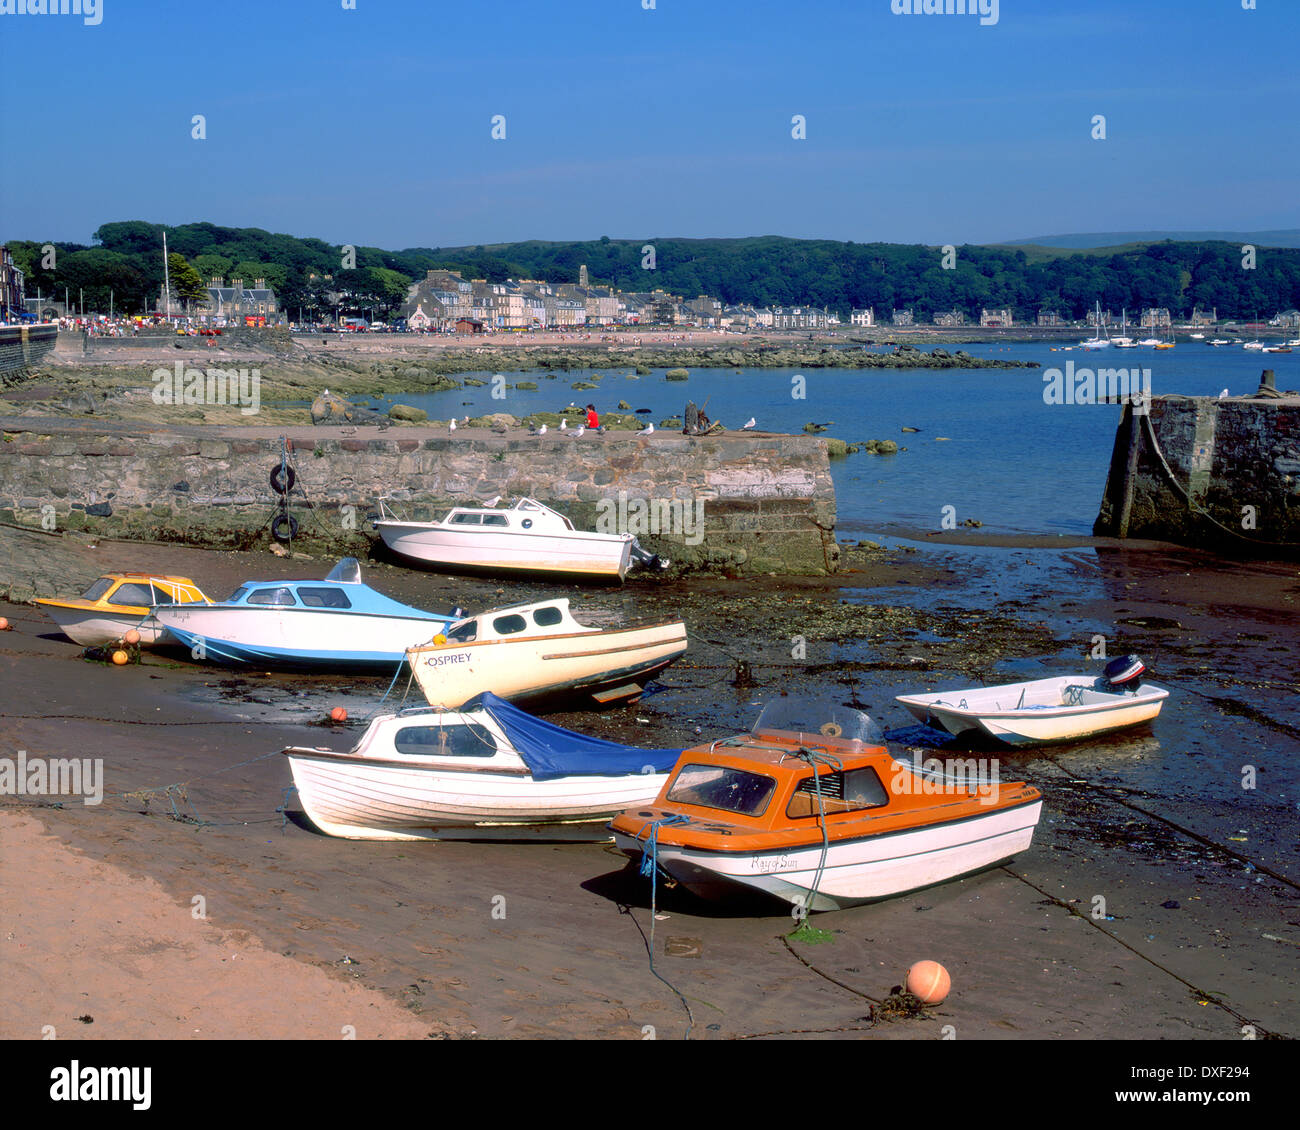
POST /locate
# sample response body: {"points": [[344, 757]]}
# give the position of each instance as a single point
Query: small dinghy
{"points": [[811, 807], [539, 651], [117, 603], [338, 623], [1046, 710], [488, 772]]}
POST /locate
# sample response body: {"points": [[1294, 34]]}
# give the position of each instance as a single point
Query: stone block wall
{"points": [[767, 503]]}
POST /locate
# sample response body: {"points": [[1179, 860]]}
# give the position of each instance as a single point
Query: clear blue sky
{"points": [[373, 125]]}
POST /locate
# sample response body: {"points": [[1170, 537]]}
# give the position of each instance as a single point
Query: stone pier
{"points": [[766, 502], [1208, 472]]}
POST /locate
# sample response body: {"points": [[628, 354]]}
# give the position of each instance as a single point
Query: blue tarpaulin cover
{"points": [[552, 751]]}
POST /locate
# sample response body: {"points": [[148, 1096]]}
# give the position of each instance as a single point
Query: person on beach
{"points": [[593, 421]]}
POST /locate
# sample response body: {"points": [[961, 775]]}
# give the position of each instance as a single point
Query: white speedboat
{"points": [[1220, 341], [1045, 710], [528, 537], [1254, 346], [539, 651], [490, 772], [335, 623], [811, 808]]}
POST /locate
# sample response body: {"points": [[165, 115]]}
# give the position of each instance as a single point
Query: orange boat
{"points": [[811, 807]]}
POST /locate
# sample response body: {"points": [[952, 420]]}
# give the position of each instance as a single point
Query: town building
{"points": [[865, 317], [12, 297], [950, 318], [901, 317], [1050, 318], [1000, 318], [1156, 319]]}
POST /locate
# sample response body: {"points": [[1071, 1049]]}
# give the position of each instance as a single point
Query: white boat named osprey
{"points": [[488, 772], [1046, 710], [528, 537], [535, 651]]}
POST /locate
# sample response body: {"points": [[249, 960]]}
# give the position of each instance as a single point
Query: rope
{"points": [[650, 870], [816, 758], [1182, 492]]}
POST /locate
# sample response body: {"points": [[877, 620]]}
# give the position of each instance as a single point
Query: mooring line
{"points": [[1109, 794], [1209, 997]]}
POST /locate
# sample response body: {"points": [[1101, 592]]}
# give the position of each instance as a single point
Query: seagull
{"points": [[752, 424], [578, 431], [464, 421], [564, 425], [542, 430], [452, 425], [1223, 394], [647, 430]]}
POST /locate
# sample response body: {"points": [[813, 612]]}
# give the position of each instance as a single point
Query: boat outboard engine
{"points": [[648, 559], [1124, 675]]}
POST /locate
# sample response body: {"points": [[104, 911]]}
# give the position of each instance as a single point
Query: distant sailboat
{"points": [[1096, 341]]}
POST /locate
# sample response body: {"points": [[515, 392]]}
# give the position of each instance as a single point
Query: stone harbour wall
{"points": [[1208, 472], [767, 502]]}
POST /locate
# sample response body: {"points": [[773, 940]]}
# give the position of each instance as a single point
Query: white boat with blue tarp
{"points": [[487, 771], [339, 622]]}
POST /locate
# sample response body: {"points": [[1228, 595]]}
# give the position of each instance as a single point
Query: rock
{"points": [[624, 406], [677, 374], [836, 448], [911, 429], [885, 447], [329, 408], [530, 386], [408, 414]]}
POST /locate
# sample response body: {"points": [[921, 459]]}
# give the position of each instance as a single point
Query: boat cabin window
{"points": [[324, 598], [495, 520], [467, 519], [238, 595], [98, 589], [445, 741], [162, 596], [133, 593], [717, 786], [464, 633], [509, 625], [547, 617], [272, 596], [841, 792]]}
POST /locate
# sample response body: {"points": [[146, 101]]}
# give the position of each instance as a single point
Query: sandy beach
{"points": [[304, 934]]}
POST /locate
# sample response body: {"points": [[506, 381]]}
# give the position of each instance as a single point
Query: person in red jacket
{"points": [[593, 421]]}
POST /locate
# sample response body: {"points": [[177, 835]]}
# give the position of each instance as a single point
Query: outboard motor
{"points": [[1125, 674], [648, 559]]}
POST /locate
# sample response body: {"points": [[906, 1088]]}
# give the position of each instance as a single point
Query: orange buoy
{"points": [[339, 714], [120, 657], [5, 626], [132, 637], [440, 639], [928, 981]]}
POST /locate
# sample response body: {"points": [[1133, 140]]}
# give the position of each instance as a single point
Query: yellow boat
{"points": [[118, 602]]}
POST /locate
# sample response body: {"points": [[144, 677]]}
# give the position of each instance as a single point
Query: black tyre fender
{"points": [[284, 528], [279, 484]]}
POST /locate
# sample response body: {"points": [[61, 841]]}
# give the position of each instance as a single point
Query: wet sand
{"points": [[1143, 821]]}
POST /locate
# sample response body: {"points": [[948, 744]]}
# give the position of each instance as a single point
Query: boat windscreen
{"points": [[98, 589], [818, 720], [720, 786], [347, 572]]}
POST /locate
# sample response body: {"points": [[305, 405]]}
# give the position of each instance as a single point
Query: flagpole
{"points": [[167, 282]]}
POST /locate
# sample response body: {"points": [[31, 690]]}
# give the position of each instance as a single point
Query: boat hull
{"points": [[578, 554], [296, 637], [95, 628], [355, 798], [609, 665], [981, 711], [855, 871]]}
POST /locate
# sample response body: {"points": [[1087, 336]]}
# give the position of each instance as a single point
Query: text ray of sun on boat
{"points": [[90, 11], [55, 776], [933, 776], [1097, 386], [179, 385], [987, 10], [651, 517]]}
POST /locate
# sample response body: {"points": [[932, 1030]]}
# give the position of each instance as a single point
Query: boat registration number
{"points": [[443, 660], [775, 863]]}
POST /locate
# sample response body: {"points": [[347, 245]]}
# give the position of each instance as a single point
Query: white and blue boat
{"points": [[336, 623]]}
